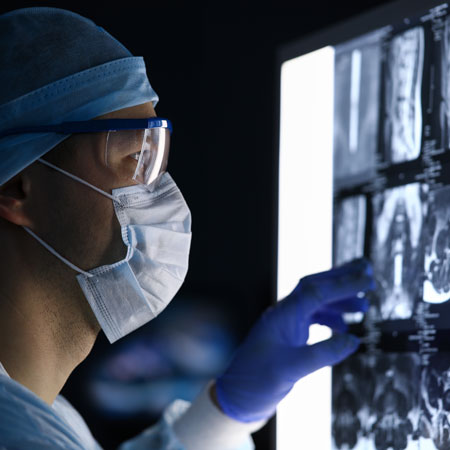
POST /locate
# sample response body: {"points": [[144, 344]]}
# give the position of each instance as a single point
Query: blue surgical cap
{"points": [[57, 66]]}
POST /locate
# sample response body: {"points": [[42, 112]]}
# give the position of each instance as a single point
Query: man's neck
{"points": [[44, 337]]}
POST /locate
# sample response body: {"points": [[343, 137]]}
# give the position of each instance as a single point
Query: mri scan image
{"points": [[392, 205], [397, 248], [435, 403], [436, 288], [350, 226], [404, 70], [352, 389], [356, 116], [445, 84], [395, 409], [376, 402]]}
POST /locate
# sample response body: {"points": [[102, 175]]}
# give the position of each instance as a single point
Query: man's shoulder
{"points": [[27, 422]]}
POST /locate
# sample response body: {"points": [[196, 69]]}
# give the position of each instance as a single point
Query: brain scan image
{"points": [[403, 96], [397, 248]]}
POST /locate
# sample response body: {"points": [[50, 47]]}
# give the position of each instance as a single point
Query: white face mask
{"points": [[156, 228]]}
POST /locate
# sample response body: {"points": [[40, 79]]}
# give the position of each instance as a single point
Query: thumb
{"points": [[309, 358]]}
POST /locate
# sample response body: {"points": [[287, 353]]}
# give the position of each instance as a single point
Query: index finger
{"points": [[334, 285]]}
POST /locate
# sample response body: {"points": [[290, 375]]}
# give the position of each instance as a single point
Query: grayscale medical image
{"points": [[445, 84], [356, 113], [352, 389], [376, 403], [436, 287], [435, 403], [403, 103], [392, 206], [395, 409], [397, 249], [350, 227]]}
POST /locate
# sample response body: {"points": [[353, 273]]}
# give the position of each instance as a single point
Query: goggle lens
{"points": [[149, 147], [153, 156]]}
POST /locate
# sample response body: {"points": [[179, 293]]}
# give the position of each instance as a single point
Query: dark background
{"points": [[214, 68]]}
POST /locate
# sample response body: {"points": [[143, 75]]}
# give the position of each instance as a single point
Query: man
{"points": [[96, 235]]}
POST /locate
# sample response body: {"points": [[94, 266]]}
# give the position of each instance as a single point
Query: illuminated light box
{"points": [[364, 170]]}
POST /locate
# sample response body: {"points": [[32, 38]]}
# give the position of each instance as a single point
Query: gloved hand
{"points": [[274, 355]]}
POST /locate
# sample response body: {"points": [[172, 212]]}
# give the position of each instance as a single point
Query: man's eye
{"points": [[135, 156]]}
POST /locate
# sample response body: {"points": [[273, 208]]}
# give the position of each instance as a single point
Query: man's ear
{"points": [[13, 196]]}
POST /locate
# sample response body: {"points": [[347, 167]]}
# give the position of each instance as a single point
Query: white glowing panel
{"points": [[305, 226]]}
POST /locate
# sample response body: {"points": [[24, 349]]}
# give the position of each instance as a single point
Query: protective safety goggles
{"points": [[146, 140]]}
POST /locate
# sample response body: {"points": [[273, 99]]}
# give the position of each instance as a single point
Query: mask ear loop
{"points": [[52, 250], [80, 180], [43, 243]]}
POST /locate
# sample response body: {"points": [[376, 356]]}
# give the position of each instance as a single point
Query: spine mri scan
{"points": [[392, 205]]}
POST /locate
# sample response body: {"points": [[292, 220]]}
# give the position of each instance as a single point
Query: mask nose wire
{"points": [[80, 180]]}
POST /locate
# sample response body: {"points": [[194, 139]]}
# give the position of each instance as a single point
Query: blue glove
{"points": [[274, 356]]}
